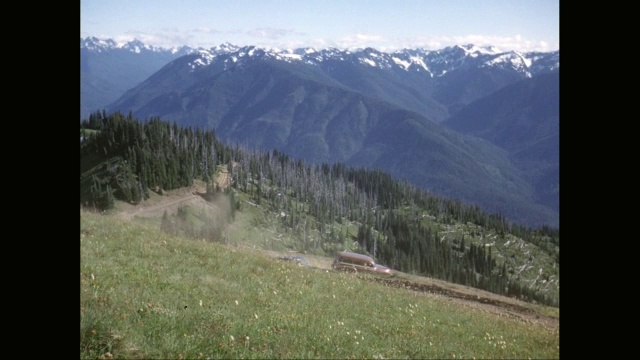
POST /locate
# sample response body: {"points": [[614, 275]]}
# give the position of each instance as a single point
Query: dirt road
{"points": [[465, 295], [170, 202]]}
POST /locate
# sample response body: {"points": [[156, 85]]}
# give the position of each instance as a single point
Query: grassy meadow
{"points": [[147, 295]]}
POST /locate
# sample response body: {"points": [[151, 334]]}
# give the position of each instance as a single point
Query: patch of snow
{"points": [[419, 61], [402, 63], [368, 62]]}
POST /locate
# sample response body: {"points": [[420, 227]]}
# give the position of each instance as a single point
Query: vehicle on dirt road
{"points": [[354, 262]]}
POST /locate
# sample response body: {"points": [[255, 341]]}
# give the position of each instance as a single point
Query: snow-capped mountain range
{"points": [[433, 62]]}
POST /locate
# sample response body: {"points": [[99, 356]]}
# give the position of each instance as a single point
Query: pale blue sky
{"points": [[523, 25]]}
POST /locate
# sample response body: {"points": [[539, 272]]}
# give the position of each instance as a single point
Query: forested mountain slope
{"points": [[324, 208]]}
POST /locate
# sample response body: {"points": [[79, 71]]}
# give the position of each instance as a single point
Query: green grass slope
{"points": [[145, 294]]}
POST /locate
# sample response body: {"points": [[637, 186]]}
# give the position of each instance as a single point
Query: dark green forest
{"points": [[397, 223]]}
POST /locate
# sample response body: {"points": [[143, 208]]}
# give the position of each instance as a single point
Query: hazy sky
{"points": [[524, 25]]}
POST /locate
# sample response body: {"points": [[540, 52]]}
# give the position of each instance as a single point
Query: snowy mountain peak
{"points": [[203, 58], [98, 45], [136, 46], [512, 59]]}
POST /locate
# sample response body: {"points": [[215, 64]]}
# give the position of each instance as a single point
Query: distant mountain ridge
{"points": [[435, 62], [95, 44]]}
